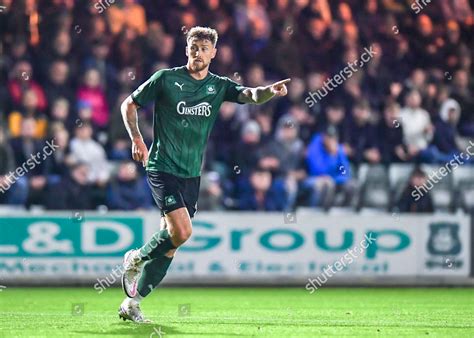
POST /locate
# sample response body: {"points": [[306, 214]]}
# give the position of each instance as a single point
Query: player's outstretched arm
{"points": [[130, 119], [259, 95]]}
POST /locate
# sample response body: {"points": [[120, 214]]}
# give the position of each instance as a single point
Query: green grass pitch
{"points": [[240, 312]]}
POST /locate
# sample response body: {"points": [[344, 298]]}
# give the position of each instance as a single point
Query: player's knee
{"points": [[181, 234]]}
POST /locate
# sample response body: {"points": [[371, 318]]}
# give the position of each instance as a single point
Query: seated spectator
{"points": [[226, 131], [60, 112], [210, 192], [58, 81], [283, 156], [417, 127], [390, 136], [92, 93], [443, 145], [359, 136], [58, 162], [29, 155], [246, 150], [12, 192], [462, 94], [86, 150], [127, 191], [28, 108], [335, 115], [21, 80], [328, 170], [412, 199], [73, 192], [260, 194]]}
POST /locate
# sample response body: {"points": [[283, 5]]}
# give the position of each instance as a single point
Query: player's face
{"points": [[200, 53]]}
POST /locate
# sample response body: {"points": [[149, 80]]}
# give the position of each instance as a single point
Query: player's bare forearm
{"points": [[130, 118], [259, 95]]}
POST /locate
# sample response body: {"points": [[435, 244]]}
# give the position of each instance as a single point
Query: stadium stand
{"points": [[64, 76]]}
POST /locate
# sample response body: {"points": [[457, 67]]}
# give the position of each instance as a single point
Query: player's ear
{"points": [[214, 53], [186, 50]]}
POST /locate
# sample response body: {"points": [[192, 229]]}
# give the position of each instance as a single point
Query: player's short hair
{"points": [[202, 33]]}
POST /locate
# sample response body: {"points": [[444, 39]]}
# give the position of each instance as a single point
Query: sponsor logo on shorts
{"points": [[170, 200]]}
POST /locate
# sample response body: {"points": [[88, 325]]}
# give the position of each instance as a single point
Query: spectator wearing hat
{"points": [[443, 146]]}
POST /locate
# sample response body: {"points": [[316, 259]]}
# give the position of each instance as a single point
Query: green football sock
{"points": [[153, 273], [159, 244]]}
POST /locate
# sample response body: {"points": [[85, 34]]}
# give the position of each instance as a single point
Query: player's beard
{"points": [[199, 66]]}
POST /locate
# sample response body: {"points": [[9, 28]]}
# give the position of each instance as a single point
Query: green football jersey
{"points": [[184, 114]]}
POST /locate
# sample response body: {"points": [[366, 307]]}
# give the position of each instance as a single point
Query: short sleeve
{"points": [[233, 89], [149, 90]]}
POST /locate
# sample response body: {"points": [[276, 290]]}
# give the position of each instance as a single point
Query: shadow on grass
{"points": [[147, 330], [127, 329]]}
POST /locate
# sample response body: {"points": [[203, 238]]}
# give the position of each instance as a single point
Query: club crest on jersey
{"points": [[201, 109], [210, 89]]}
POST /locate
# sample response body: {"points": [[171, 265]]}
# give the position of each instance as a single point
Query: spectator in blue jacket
{"points": [[328, 170]]}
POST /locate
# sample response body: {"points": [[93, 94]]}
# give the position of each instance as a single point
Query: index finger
{"points": [[282, 82]]}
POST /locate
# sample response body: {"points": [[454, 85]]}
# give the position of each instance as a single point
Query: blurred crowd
{"points": [[65, 67]]}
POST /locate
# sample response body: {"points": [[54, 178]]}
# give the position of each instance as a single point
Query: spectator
{"points": [[463, 95], [260, 194], [443, 145], [226, 131], [210, 193], [21, 80], [335, 115], [127, 190], [416, 123], [359, 136], [25, 147], [390, 136], [408, 202], [92, 93], [86, 150], [328, 170], [29, 108], [73, 192], [245, 153], [11, 192], [58, 82]]}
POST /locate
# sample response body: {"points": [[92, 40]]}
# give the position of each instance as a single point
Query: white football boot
{"points": [[133, 266], [129, 309]]}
